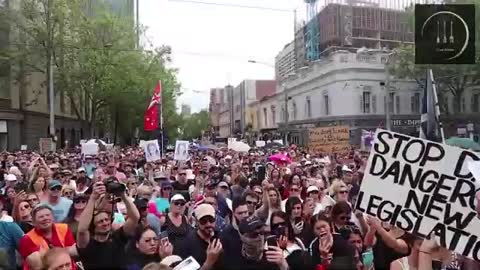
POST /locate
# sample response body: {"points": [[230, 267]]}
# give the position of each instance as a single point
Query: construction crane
{"points": [[312, 33]]}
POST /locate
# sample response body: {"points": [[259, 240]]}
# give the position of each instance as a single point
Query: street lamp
{"points": [[251, 61]]}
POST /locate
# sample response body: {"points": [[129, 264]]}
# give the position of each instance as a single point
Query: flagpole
{"points": [[437, 106], [161, 119]]}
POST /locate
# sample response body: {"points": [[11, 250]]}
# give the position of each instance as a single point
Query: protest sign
{"points": [[260, 143], [90, 149], [23, 147], [152, 150], [230, 142], [181, 150], [46, 145], [329, 139], [424, 188]]}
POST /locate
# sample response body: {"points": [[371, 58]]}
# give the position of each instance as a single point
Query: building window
{"points": [[265, 117], [374, 104], [294, 105], [475, 99], [365, 102], [415, 103], [282, 116], [259, 123], [463, 105], [274, 116], [309, 108], [326, 103]]}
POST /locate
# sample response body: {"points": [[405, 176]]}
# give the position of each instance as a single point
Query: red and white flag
{"points": [[150, 118]]}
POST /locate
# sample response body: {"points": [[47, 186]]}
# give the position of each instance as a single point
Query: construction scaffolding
{"points": [[374, 24]]}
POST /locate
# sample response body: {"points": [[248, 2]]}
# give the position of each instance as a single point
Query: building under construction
{"points": [[355, 24]]}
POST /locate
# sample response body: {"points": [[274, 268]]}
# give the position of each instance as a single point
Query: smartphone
{"points": [[21, 186], [367, 260], [163, 238], [297, 220], [272, 241]]}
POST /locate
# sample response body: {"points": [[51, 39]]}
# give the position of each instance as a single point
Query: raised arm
{"points": [[83, 234]]}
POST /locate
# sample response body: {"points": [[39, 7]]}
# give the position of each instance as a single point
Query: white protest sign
{"points": [[230, 142], [181, 150], [23, 147], [142, 143], [152, 151], [259, 143], [90, 149], [422, 187]]}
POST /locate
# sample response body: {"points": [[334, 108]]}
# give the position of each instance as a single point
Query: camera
{"points": [[114, 187]]}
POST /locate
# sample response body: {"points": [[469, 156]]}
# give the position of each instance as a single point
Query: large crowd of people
{"points": [[220, 209]]}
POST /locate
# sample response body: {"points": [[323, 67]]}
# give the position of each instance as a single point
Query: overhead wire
{"points": [[232, 5], [201, 54]]}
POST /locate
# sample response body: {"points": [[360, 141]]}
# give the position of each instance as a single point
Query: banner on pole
{"points": [[423, 187]]}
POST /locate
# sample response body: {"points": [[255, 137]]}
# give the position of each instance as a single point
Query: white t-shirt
{"points": [[6, 218]]}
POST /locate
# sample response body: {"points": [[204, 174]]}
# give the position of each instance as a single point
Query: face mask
{"points": [[252, 248]]}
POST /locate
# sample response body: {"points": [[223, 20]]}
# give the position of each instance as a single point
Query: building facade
{"points": [[246, 93], [285, 62], [226, 113], [372, 24], [24, 102], [345, 88]]}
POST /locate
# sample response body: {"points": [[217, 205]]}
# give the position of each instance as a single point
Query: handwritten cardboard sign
{"points": [[334, 139]]}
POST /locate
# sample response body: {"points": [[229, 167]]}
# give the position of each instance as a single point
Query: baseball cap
{"points": [[223, 184], [81, 169], [159, 176], [250, 224], [177, 197], [53, 166], [141, 203], [11, 177], [204, 210], [312, 188], [54, 183], [171, 260], [165, 184], [346, 169]]}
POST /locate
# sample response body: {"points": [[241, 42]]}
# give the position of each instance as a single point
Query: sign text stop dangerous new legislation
{"points": [[423, 187]]}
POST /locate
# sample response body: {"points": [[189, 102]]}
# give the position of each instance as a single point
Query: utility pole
{"points": [[50, 66], [388, 120], [137, 18]]}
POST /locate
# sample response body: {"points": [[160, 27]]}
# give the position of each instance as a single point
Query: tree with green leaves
{"points": [[194, 125], [96, 65], [453, 79]]}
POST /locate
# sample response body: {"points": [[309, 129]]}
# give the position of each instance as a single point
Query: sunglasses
{"points": [[205, 220], [66, 193], [251, 202], [279, 225], [80, 201], [343, 192], [182, 174], [179, 203], [166, 188], [58, 188]]}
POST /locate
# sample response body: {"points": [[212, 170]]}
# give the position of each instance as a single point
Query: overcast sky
{"points": [[212, 44]]}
